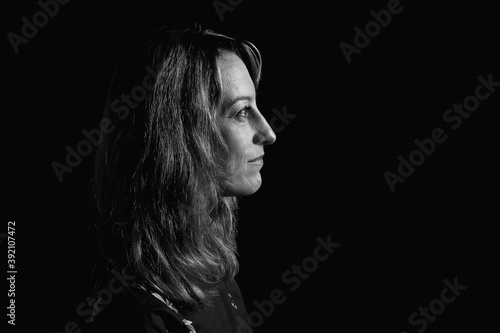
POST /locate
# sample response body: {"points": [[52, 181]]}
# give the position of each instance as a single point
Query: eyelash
{"points": [[244, 110]]}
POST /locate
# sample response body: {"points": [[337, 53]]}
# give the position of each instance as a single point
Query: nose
{"points": [[264, 133]]}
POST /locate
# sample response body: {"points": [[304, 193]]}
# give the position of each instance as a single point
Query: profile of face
{"points": [[245, 129]]}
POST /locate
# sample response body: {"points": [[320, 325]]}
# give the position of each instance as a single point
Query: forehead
{"points": [[236, 80]]}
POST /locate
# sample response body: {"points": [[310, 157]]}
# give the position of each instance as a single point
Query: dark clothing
{"points": [[139, 311]]}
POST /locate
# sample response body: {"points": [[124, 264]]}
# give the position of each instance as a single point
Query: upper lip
{"points": [[257, 158]]}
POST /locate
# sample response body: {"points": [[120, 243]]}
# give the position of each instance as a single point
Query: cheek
{"points": [[237, 158], [236, 161]]}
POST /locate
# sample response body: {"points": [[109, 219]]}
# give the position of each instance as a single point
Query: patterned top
{"points": [[138, 310]]}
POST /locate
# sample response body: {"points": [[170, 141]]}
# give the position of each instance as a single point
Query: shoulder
{"points": [[137, 310]]}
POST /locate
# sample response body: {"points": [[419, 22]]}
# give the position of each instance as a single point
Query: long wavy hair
{"points": [[159, 177]]}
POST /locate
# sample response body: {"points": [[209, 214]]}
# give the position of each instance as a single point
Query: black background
{"points": [[323, 176]]}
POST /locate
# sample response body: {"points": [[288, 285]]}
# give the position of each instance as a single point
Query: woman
{"points": [[183, 141]]}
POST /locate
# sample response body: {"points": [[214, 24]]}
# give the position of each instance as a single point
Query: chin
{"points": [[243, 188]]}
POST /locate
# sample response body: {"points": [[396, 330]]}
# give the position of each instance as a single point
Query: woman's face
{"points": [[245, 129]]}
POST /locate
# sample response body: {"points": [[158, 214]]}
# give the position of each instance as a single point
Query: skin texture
{"points": [[245, 129]]}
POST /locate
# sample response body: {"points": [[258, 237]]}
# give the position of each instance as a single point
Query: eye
{"points": [[242, 115]]}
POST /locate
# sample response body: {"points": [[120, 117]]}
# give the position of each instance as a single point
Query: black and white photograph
{"points": [[238, 166]]}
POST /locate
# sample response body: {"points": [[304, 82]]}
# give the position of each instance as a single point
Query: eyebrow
{"points": [[237, 99]]}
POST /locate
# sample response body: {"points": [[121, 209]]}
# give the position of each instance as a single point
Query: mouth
{"points": [[258, 160]]}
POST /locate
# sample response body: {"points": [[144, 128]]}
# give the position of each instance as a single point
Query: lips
{"points": [[258, 160]]}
